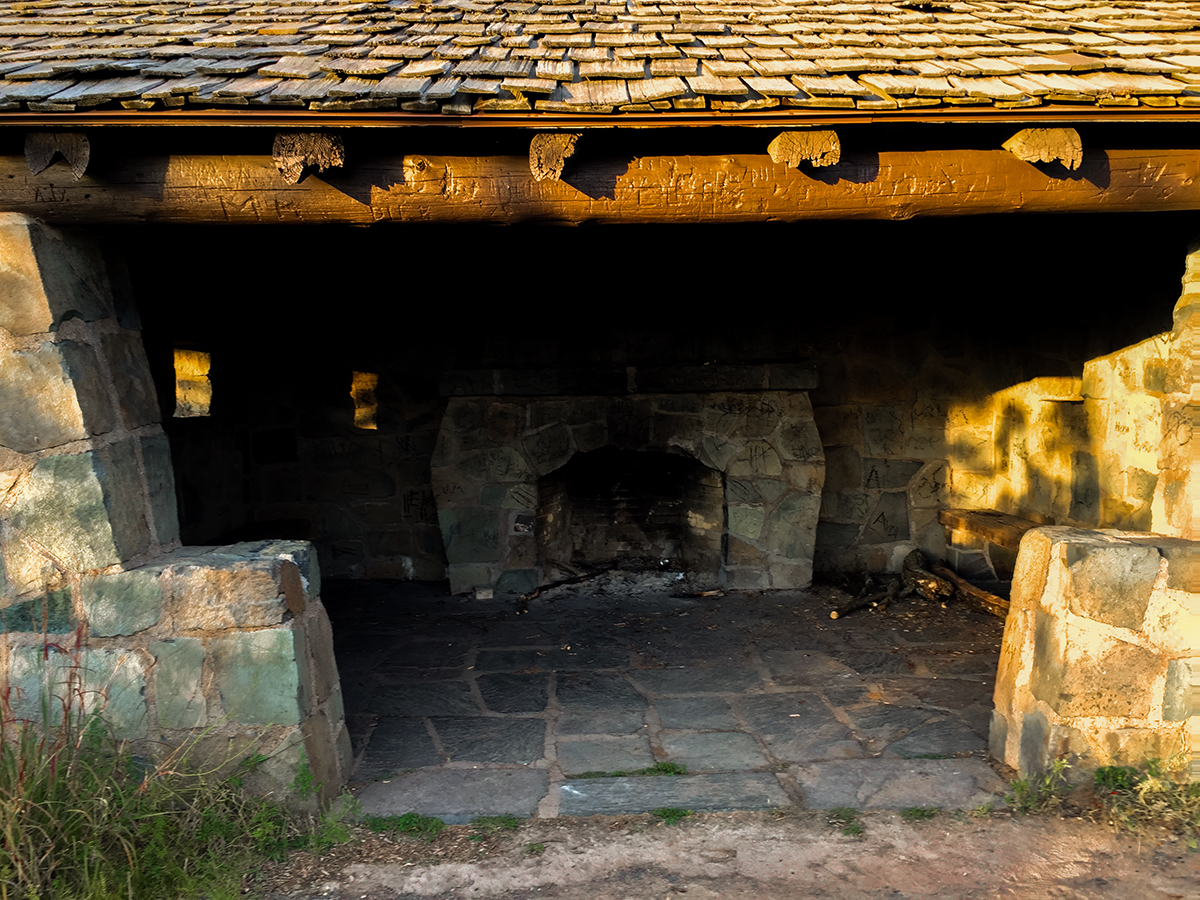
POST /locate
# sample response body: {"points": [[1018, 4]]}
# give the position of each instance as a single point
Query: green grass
{"points": [[671, 814], [918, 813], [1136, 799], [495, 824], [81, 818], [659, 768], [1039, 793], [426, 828], [846, 819], [535, 847]]}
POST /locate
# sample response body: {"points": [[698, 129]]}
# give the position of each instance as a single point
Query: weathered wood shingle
{"points": [[721, 55]]}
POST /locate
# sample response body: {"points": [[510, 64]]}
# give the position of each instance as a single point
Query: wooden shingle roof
{"points": [[462, 56]]}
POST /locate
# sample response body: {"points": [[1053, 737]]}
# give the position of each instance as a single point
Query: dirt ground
{"points": [[739, 856]]}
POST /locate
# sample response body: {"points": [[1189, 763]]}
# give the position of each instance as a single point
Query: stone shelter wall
{"points": [[1110, 449], [227, 650], [1101, 652]]}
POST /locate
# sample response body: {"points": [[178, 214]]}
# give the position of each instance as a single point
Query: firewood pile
{"points": [[917, 578]]}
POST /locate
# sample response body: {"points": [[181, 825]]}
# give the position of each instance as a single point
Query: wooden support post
{"points": [[1047, 145], [816, 148], [548, 154], [41, 148], [294, 152]]}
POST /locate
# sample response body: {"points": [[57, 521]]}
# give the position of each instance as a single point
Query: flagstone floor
{"points": [[460, 708]]}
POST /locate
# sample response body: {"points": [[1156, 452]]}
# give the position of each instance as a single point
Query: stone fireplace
{"points": [[542, 474]]}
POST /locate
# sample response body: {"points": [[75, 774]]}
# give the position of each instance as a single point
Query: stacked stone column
{"points": [[1101, 653], [102, 611], [1179, 457]]}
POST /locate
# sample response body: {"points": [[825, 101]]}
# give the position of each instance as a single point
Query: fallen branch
{"points": [[977, 597], [523, 600], [920, 580], [879, 600]]}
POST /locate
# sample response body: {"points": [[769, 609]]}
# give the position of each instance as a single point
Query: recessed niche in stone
{"points": [[626, 508]]}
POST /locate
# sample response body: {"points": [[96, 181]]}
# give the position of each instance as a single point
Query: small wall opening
{"points": [[366, 407], [613, 508], [193, 389]]}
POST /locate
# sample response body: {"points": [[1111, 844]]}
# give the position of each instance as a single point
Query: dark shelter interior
{"points": [[884, 311]]}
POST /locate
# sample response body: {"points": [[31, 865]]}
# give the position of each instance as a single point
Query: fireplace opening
{"points": [[614, 508]]}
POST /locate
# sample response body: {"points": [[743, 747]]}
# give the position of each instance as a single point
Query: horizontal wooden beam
{"points": [[501, 189]]}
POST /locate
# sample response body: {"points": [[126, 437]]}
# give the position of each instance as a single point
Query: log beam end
{"points": [[294, 152], [548, 154], [812, 147], [43, 147], [1046, 145]]}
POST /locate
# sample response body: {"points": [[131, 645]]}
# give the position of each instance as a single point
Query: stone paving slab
{"points": [[397, 744], [789, 667], [597, 691], [614, 755], [696, 681], [714, 750], [603, 721], [514, 693], [946, 738], [899, 784], [456, 796], [802, 744], [441, 698], [495, 740], [700, 793], [695, 713]]}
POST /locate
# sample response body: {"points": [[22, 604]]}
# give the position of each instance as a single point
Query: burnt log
{"points": [[918, 579], [976, 597]]}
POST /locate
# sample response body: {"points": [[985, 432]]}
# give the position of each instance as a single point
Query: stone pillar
{"points": [[226, 652], [1177, 500], [1101, 649], [85, 470]]}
